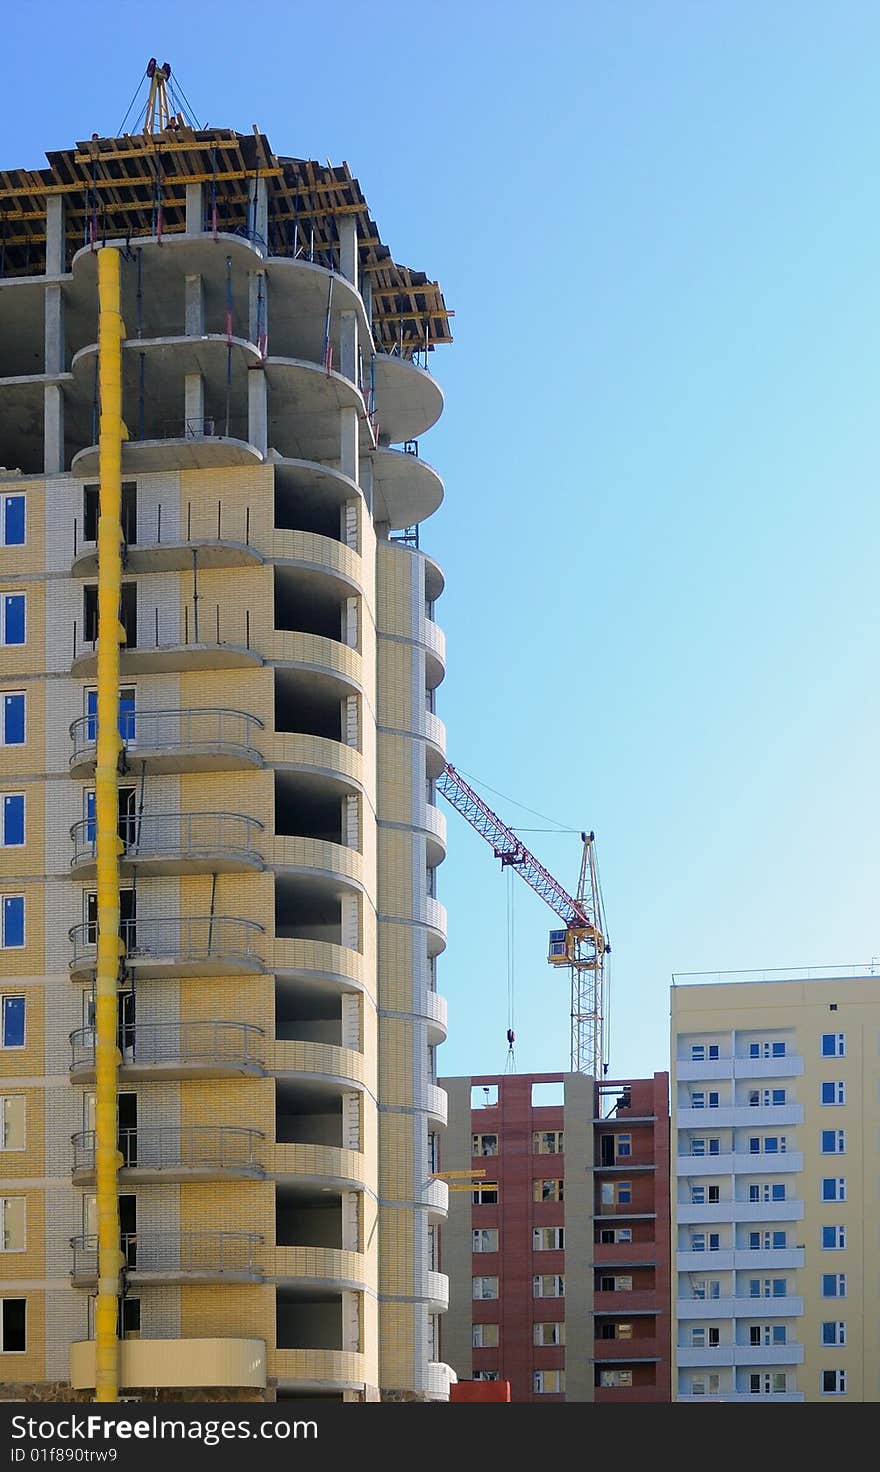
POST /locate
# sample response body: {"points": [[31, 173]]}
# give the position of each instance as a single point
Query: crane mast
{"points": [[581, 945]]}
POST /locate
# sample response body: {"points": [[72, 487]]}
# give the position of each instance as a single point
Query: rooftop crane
{"points": [[581, 945]]}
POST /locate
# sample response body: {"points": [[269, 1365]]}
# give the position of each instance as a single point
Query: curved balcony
{"points": [[176, 1153], [314, 553], [201, 740], [174, 1257], [175, 1050], [435, 919], [323, 1165], [300, 291], [436, 1197], [435, 1009], [319, 1369], [319, 960], [176, 945], [304, 404], [172, 656], [176, 1363], [440, 1378], [406, 490], [181, 448], [408, 400], [170, 556], [319, 755], [435, 737], [435, 1103], [174, 843], [324, 1061], [438, 1293], [314, 856], [324, 1267], [434, 640], [435, 828], [314, 652]]}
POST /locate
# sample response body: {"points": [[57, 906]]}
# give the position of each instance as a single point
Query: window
{"points": [[12, 530], [623, 1146], [485, 1145], [548, 1382], [13, 1022], [608, 1235], [705, 1241], [616, 1329], [767, 1144], [617, 1378], [704, 1052], [700, 1099], [767, 1191], [704, 1288], [705, 1336], [702, 1195], [12, 921], [764, 1098], [13, 1321], [545, 1334], [13, 618], [485, 1195], [128, 512], [833, 1142], [485, 1288], [702, 1146], [547, 1190], [833, 1237], [834, 1382], [127, 722], [485, 1239], [706, 1385], [833, 1092], [127, 613], [833, 1045], [548, 1239], [766, 1241], [618, 1283], [129, 1319], [767, 1288], [624, 1193], [12, 1223], [547, 1142], [773, 1384], [548, 1285], [834, 1285], [767, 1334], [834, 1332], [12, 718], [485, 1374], [485, 1336], [12, 1122], [834, 1188], [769, 1049], [12, 820]]}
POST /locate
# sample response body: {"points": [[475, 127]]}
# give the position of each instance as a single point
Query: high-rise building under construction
{"points": [[278, 834]]}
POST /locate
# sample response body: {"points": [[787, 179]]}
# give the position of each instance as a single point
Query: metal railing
{"points": [[208, 1042], [160, 627], [174, 1252], [185, 938], [837, 971], [212, 728], [207, 525], [171, 1147], [184, 835]]}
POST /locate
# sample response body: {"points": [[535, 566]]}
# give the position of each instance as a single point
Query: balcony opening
{"points": [[91, 512], [305, 811], [308, 706], [127, 613], [308, 1015], [305, 911], [299, 510], [308, 1218], [308, 603], [308, 1115], [308, 1322]]}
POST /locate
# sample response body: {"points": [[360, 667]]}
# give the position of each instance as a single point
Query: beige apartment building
{"points": [[278, 1010], [776, 1194]]}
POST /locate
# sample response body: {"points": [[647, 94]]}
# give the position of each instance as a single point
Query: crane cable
{"points": [[510, 1062]]}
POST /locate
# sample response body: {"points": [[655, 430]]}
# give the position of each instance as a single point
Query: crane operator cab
{"points": [[557, 954]]}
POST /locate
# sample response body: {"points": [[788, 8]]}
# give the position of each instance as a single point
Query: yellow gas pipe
{"points": [[110, 633]]}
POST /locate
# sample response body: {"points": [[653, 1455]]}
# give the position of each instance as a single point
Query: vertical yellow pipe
{"points": [[107, 1159]]}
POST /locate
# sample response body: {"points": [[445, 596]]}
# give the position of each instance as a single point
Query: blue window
{"points": [[13, 819], [12, 720], [834, 1285], [834, 1093], [13, 920], [833, 1045], [833, 1142], [834, 1188], [13, 1022], [12, 521], [91, 827], [834, 1332], [834, 1237], [126, 715], [12, 623]]}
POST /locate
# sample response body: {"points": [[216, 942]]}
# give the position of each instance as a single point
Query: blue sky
{"points": [[658, 226]]}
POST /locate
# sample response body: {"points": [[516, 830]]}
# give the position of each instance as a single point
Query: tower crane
{"points": [[581, 945]]}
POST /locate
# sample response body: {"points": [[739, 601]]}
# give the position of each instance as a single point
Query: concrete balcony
{"points": [[175, 1257], [296, 752], [408, 400], [319, 960], [705, 1262], [324, 1267], [741, 1162], [322, 1165], [439, 1379], [176, 1364], [435, 919], [704, 1165], [434, 640], [740, 1115], [310, 856], [181, 448], [174, 843], [175, 1050], [176, 1153], [342, 1066], [211, 739], [305, 400], [434, 1008], [436, 1197], [435, 829], [176, 945], [623, 1301], [319, 1369], [434, 732], [741, 1211], [791, 1066], [627, 1351], [687, 1071], [434, 1102], [771, 1259], [768, 1354], [315, 553], [438, 1293], [154, 555], [743, 1395], [406, 489], [313, 652], [740, 1307]]}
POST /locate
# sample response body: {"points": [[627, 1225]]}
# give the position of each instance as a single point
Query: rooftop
{"points": [[837, 972]]}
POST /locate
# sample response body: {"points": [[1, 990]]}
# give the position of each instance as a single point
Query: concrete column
{"points": [[258, 410], [194, 404], [350, 624], [260, 216], [258, 313], [366, 481], [350, 727], [348, 443], [350, 933], [55, 242], [367, 294], [53, 429], [350, 525], [55, 344], [194, 305], [351, 1020], [348, 258], [348, 346], [350, 1221], [194, 209]]}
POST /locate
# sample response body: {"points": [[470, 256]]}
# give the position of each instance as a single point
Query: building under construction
{"points": [[259, 1209]]}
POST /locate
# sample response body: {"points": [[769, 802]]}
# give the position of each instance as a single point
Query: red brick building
{"points": [[559, 1254]]}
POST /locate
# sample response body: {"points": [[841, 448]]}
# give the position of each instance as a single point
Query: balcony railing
{"points": [[221, 730], [185, 836], [200, 1254], [205, 1044], [174, 1147], [184, 939]]}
